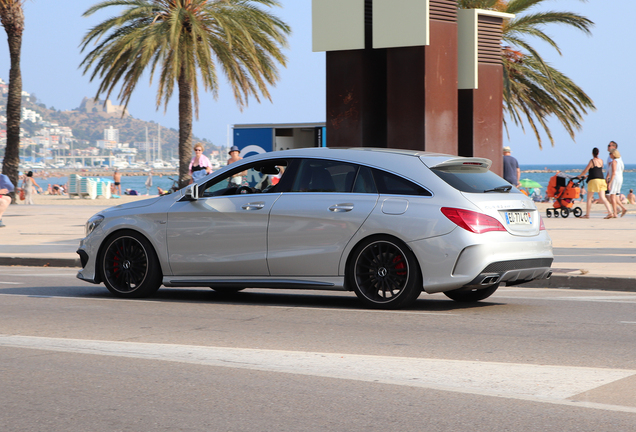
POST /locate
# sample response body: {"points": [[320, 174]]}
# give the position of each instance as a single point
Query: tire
{"points": [[471, 295], [565, 212], [384, 273], [548, 213], [129, 266], [577, 212]]}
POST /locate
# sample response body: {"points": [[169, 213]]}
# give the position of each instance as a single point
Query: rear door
{"points": [[312, 222]]}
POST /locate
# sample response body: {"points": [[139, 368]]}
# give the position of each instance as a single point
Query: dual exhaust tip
{"points": [[491, 280]]}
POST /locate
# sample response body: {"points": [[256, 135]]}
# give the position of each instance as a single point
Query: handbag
{"points": [[22, 195]]}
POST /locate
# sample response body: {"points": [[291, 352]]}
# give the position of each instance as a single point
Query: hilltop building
{"points": [[98, 106]]}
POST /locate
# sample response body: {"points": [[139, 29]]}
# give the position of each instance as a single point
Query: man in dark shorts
{"points": [[6, 187], [117, 179], [511, 170]]}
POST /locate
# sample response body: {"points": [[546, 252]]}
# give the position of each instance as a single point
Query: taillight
{"points": [[472, 221], [541, 225]]}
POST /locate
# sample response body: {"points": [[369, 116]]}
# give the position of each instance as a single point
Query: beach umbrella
{"points": [[529, 184]]}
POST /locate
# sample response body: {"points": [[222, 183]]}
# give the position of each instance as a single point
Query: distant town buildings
{"points": [[30, 115], [111, 134]]}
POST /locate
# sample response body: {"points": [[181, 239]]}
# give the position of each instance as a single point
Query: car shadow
{"points": [[313, 299], [291, 298]]}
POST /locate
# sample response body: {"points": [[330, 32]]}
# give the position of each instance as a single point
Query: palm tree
{"points": [[533, 89], [12, 18], [186, 40]]}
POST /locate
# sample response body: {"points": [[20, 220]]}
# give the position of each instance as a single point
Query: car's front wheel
{"points": [[129, 266], [471, 295], [384, 273]]}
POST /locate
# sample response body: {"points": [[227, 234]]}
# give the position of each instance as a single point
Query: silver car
{"points": [[386, 224]]}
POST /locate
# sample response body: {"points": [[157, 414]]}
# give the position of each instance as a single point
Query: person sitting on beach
{"points": [[631, 198]]}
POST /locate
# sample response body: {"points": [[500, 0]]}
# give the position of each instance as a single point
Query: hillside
{"points": [[89, 126]]}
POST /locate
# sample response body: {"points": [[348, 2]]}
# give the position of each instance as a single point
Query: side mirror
{"points": [[191, 192]]}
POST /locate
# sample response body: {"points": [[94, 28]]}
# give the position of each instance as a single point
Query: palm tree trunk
{"points": [[185, 129], [13, 22]]}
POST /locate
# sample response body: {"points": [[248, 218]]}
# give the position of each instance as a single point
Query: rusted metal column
{"points": [[356, 98], [422, 87]]}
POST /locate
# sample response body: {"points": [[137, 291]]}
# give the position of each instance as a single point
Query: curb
{"points": [[40, 262], [585, 283]]}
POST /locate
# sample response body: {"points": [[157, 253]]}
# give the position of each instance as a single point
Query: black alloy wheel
{"points": [[384, 273], [129, 266]]}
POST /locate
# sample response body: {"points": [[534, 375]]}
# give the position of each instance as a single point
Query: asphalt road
{"points": [[73, 358]]}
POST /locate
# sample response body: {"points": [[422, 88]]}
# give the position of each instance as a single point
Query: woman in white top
{"points": [[29, 184], [615, 182]]}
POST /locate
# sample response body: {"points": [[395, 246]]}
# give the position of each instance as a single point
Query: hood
{"points": [[132, 205]]}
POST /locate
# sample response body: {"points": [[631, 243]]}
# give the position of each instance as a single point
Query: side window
{"points": [[257, 177], [364, 182], [318, 175], [391, 184]]}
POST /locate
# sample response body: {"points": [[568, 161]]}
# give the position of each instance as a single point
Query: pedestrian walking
{"points": [[511, 170]]}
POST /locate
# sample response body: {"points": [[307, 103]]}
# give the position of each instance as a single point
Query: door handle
{"points": [[253, 206], [341, 208]]}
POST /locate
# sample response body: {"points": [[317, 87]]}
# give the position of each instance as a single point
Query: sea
{"points": [[136, 183], [538, 173], [543, 173]]}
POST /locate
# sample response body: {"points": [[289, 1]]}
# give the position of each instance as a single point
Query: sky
{"points": [[601, 64]]}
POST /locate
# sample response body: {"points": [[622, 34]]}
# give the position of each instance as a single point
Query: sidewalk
{"points": [[589, 253]]}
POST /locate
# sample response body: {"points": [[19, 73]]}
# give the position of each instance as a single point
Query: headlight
{"points": [[93, 223]]}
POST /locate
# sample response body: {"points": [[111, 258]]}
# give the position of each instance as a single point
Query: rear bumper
{"points": [[513, 272], [462, 259]]}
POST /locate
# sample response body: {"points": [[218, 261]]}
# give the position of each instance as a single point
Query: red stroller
{"points": [[564, 189]]}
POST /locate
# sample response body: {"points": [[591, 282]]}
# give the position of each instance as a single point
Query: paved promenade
{"points": [[589, 253]]}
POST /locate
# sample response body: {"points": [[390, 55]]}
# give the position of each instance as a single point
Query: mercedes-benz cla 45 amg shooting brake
{"points": [[386, 224]]}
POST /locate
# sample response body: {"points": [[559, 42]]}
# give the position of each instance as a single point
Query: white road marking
{"points": [[402, 312], [542, 383], [581, 298], [12, 283]]}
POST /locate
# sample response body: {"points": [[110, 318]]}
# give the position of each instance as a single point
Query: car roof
{"points": [[370, 155]]}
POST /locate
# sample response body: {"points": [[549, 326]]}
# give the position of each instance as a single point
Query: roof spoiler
{"points": [[462, 164]]}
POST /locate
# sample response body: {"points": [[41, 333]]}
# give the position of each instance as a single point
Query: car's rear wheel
{"points": [[384, 273], [471, 295], [129, 266]]}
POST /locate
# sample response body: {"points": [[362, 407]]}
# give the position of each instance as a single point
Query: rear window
{"points": [[474, 181]]}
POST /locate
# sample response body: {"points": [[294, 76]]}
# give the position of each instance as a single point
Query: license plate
{"points": [[518, 218]]}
